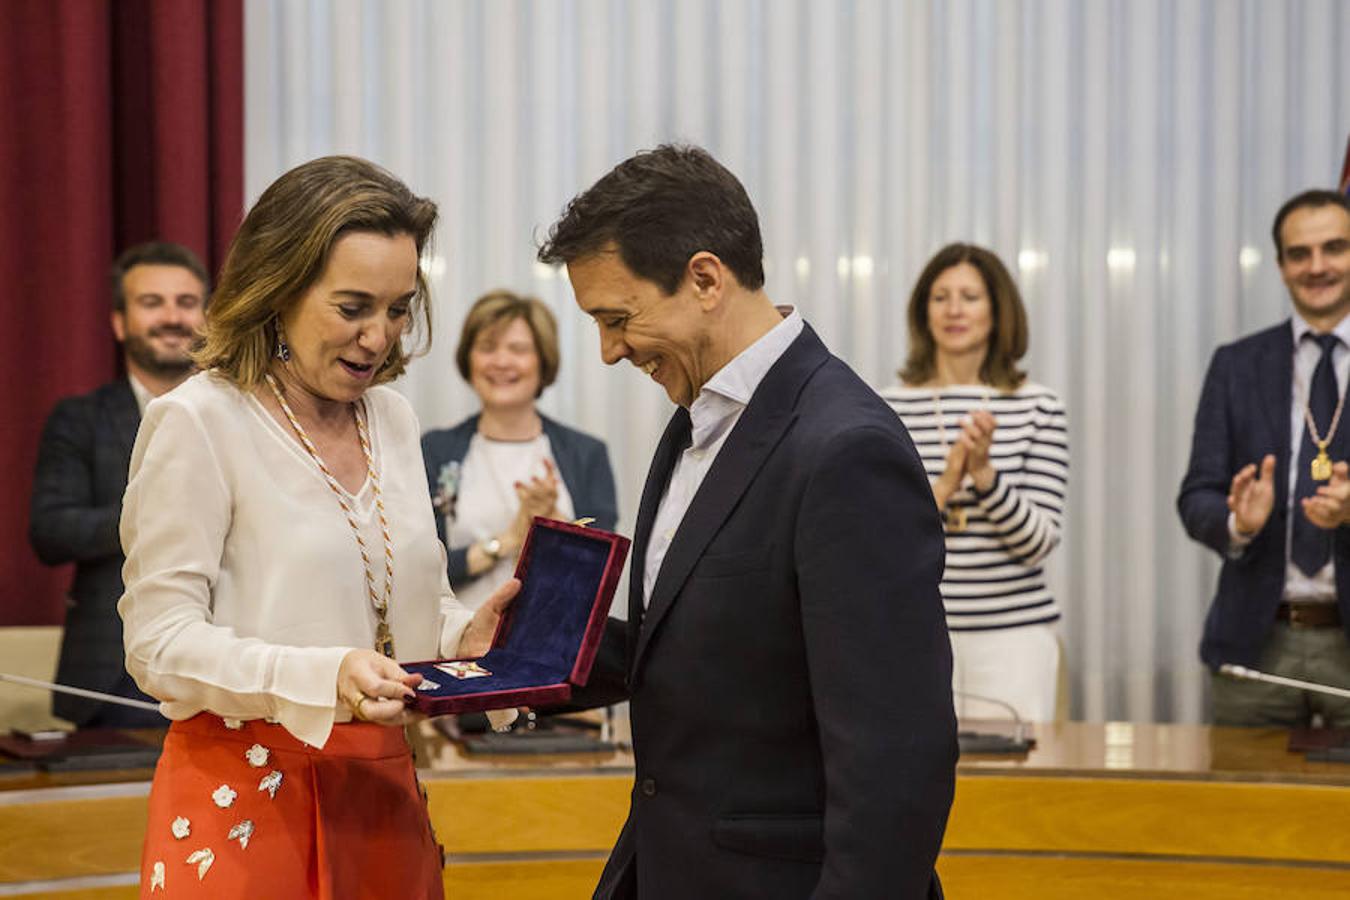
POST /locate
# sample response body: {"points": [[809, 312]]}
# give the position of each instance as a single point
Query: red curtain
{"points": [[123, 123]]}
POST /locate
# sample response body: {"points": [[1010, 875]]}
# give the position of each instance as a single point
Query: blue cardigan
{"points": [[583, 464]]}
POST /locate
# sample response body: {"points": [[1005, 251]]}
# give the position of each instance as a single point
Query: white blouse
{"points": [[244, 584]]}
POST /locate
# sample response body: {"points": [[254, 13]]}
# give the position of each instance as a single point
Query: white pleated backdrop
{"points": [[1125, 158]]}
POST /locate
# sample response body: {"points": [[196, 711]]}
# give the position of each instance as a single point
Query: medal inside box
{"points": [[548, 636]]}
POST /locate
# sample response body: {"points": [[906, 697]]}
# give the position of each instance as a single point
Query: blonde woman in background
{"points": [[492, 473]]}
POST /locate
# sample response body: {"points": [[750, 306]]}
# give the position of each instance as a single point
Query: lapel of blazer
{"points": [[762, 424], [1275, 370], [1339, 446], [123, 413]]}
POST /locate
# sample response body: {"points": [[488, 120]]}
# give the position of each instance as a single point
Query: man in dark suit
{"points": [[785, 649], [159, 294], [1268, 486]]}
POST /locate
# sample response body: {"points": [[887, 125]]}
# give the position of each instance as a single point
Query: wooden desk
{"points": [[1150, 811], [1109, 811]]}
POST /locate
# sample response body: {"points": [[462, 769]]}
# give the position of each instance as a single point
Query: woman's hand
{"points": [[514, 537], [373, 686], [950, 480], [477, 638], [537, 497], [977, 434]]}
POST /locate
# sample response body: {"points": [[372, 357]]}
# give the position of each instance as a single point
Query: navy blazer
{"points": [[1244, 414], [583, 465], [81, 475], [790, 678]]}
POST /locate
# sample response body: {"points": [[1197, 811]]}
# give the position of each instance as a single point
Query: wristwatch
{"points": [[492, 548]]}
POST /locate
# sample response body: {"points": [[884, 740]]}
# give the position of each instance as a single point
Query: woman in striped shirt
{"points": [[996, 449]]}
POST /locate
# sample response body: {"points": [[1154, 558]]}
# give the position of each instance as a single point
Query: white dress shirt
{"points": [[1298, 585], [141, 393], [712, 415], [244, 584]]}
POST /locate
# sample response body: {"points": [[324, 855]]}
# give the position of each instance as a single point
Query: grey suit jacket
{"points": [[77, 500]]}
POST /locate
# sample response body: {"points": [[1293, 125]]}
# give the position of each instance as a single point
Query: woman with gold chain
{"points": [[996, 449], [281, 550]]}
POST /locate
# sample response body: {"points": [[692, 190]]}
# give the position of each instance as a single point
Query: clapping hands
{"points": [[1330, 507], [977, 433], [537, 497], [1252, 496], [969, 455]]}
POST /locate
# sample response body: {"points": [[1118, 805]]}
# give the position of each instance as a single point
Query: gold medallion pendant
{"points": [[1321, 464], [384, 639], [956, 518]]}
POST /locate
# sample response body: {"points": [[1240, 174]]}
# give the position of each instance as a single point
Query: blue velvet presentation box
{"points": [[548, 637]]}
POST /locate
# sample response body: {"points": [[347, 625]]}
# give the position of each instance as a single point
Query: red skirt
{"points": [[253, 812]]}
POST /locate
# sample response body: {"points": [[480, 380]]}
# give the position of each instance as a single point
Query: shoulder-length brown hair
{"points": [[1007, 336], [281, 250], [496, 309]]}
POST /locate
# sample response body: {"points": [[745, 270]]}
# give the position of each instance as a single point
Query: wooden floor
{"points": [[1096, 811]]}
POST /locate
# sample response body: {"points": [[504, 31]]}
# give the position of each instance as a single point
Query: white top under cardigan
{"points": [[487, 502], [244, 585]]}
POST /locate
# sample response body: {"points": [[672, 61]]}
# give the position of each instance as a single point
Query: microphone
{"points": [[1242, 672], [78, 692], [981, 742]]}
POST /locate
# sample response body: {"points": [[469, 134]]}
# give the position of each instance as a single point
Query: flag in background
{"points": [[1345, 170]]}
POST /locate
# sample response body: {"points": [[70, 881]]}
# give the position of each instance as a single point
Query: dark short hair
{"points": [[1313, 199], [497, 308], [659, 208], [154, 253], [1007, 337]]}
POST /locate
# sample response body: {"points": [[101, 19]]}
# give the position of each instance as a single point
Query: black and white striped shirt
{"points": [[993, 577]]}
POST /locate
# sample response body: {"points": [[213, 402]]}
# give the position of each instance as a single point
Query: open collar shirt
{"points": [[713, 415]]}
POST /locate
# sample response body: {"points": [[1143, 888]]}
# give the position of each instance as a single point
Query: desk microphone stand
{"points": [[1329, 754], [977, 742]]}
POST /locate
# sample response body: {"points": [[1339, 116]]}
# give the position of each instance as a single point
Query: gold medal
{"points": [[1321, 464], [956, 519], [463, 668], [384, 641]]}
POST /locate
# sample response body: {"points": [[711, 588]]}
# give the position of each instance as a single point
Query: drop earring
{"points": [[283, 348]]}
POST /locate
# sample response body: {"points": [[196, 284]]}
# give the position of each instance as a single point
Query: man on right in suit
{"points": [[1268, 486], [158, 301], [785, 649]]}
